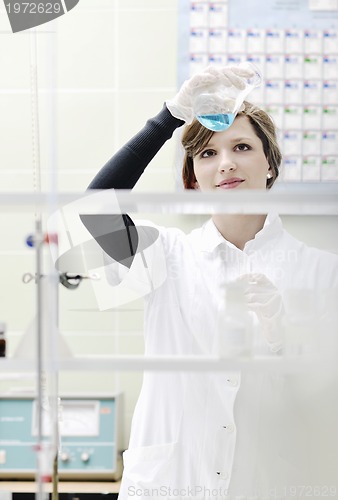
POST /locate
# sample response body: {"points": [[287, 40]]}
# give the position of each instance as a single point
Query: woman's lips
{"points": [[230, 183]]}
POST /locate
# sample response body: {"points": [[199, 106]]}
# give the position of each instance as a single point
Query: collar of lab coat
{"points": [[212, 238]]}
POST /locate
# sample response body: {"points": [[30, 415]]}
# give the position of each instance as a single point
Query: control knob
{"points": [[64, 456], [85, 456]]}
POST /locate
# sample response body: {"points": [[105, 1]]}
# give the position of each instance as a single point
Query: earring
{"points": [[269, 175]]}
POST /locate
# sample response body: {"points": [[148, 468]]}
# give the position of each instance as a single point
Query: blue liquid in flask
{"points": [[217, 122]]}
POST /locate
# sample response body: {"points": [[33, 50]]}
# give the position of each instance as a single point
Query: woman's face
{"points": [[233, 159]]}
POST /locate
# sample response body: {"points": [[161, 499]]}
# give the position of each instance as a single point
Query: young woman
{"points": [[219, 434]]}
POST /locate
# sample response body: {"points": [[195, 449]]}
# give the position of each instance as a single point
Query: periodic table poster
{"points": [[295, 45]]}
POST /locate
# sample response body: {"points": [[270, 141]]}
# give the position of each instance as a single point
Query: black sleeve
{"points": [[117, 234], [125, 168]]}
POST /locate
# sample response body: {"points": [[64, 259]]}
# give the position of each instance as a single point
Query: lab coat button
{"points": [[233, 382], [223, 475], [229, 428]]}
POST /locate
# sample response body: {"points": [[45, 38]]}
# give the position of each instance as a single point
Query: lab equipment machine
{"points": [[90, 435]]}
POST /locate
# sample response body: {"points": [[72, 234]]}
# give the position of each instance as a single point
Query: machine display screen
{"points": [[77, 418]]}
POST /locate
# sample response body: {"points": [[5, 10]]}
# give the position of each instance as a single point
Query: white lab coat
{"points": [[206, 435]]}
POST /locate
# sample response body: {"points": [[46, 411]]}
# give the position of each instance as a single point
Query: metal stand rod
{"points": [[39, 353], [55, 493]]}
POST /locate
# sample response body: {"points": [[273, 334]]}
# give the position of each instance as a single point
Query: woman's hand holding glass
{"points": [[265, 300], [182, 106]]}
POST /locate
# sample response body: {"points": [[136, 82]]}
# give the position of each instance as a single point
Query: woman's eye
{"points": [[243, 147], [207, 153]]}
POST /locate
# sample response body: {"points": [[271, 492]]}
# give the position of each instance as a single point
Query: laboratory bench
{"points": [[68, 490]]}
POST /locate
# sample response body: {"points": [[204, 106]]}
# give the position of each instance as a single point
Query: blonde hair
{"points": [[196, 137]]}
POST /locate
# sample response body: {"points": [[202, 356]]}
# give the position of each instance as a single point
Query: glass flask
{"points": [[216, 105], [235, 325]]}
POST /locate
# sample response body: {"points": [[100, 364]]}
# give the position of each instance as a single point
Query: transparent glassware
{"points": [[217, 105], [235, 325]]}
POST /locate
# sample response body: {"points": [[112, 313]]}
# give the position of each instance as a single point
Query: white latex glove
{"points": [[233, 77], [264, 299]]}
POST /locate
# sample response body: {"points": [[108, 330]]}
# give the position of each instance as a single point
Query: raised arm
{"points": [[125, 168], [116, 234]]}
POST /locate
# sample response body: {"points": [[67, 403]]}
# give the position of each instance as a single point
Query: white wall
{"points": [[113, 67]]}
